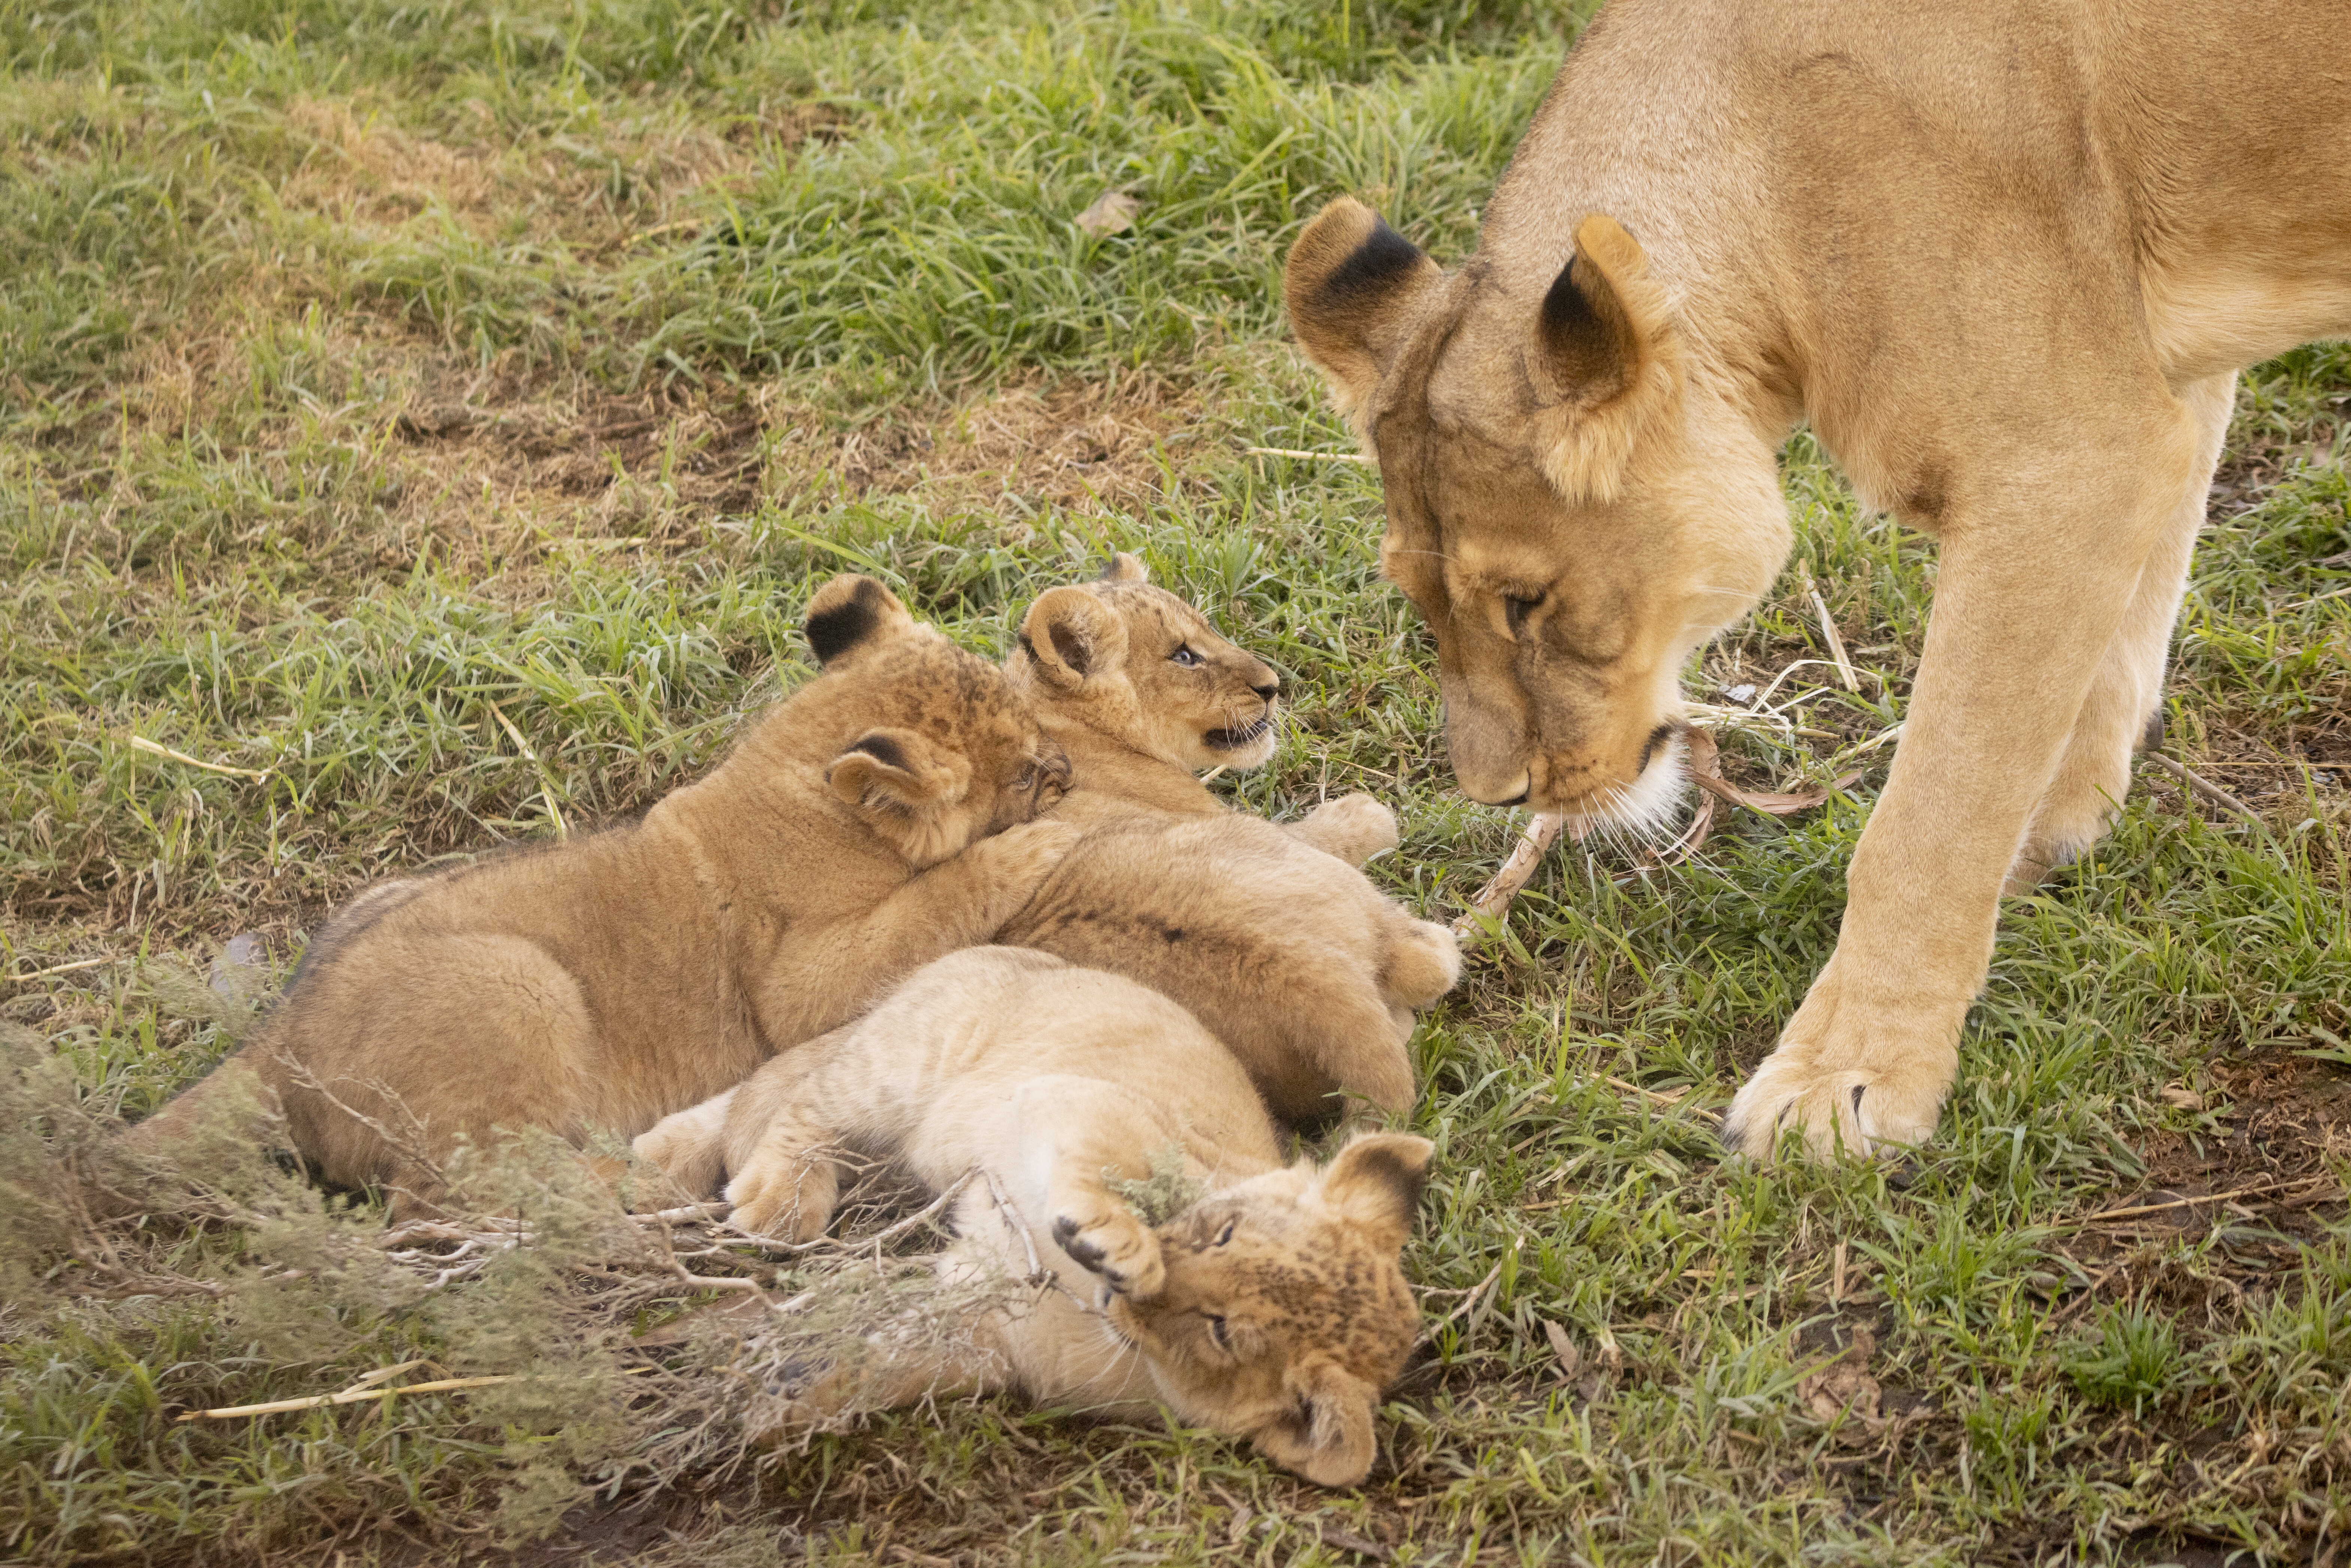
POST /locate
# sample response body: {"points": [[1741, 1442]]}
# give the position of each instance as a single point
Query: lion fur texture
{"points": [[1268, 935], [878, 818], [1274, 1308], [2004, 259]]}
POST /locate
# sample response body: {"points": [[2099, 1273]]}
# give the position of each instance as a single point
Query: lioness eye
{"points": [[1515, 610], [1217, 1331], [1184, 656], [1227, 1233]]}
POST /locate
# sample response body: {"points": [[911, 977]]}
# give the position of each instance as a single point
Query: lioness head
{"points": [[1138, 663], [1573, 509], [1285, 1314], [930, 744]]}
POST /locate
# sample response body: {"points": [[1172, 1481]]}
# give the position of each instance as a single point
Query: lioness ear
{"points": [[1351, 284], [1606, 354], [1124, 568], [1326, 1434], [1069, 635], [1375, 1182], [851, 613], [899, 772]]}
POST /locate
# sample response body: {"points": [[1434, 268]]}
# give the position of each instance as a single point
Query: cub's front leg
{"points": [[1083, 1128], [826, 975], [690, 1146]]}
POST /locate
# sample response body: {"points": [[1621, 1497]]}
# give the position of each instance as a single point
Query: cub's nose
{"points": [[1270, 689]]}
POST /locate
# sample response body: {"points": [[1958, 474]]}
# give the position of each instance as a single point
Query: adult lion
{"points": [[2006, 258]]}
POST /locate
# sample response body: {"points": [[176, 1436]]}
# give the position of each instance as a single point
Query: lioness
{"points": [[1272, 1308], [609, 981], [1268, 934], [2005, 258]]}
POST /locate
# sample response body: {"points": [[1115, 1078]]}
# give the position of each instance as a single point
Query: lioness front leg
{"points": [[2094, 775], [1353, 828], [2024, 615]]}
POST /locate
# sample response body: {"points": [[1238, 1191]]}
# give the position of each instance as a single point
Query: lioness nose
{"points": [[1271, 689]]}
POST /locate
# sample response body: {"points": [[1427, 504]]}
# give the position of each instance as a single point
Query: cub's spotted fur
{"points": [[1273, 1308]]}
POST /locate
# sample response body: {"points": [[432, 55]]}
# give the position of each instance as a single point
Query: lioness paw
{"points": [[1850, 1111], [1116, 1246]]}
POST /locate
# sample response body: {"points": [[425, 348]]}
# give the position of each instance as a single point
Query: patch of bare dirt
{"points": [[1069, 442], [365, 171]]}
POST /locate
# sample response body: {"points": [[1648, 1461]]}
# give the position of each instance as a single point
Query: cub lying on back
{"points": [[609, 981], [1288, 954], [1273, 1308]]}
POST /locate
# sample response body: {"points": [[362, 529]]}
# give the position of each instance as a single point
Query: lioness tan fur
{"points": [[868, 825], [2005, 258], [1274, 1308], [1268, 934]]}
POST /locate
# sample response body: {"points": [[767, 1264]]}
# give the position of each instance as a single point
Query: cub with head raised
{"points": [[1268, 934], [1273, 1307], [871, 822]]}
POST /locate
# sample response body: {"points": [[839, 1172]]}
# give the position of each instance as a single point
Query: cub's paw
{"points": [[689, 1146], [1850, 1111], [1115, 1245], [785, 1193], [1424, 960], [1354, 827]]}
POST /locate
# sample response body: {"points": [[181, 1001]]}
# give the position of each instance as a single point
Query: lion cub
{"points": [[1273, 1308], [1269, 936], [611, 980]]}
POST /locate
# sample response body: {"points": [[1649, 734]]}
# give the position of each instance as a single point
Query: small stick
{"points": [[2259, 1188], [154, 748], [1836, 643], [1477, 1292], [352, 1395], [1667, 1101], [1837, 1277], [62, 968], [2206, 788], [1316, 456], [1493, 900]]}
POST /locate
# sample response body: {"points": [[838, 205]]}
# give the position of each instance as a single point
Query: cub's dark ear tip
{"points": [[1121, 567], [884, 750], [836, 627]]}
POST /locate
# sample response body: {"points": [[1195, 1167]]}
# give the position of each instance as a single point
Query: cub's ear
{"points": [[1352, 285], [1325, 1435], [1375, 1182], [1606, 354], [1069, 635], [851, 613], [1124, 568], [898, 771]]}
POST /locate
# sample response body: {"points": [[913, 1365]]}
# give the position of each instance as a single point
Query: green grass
{"points": [[374, 378]]}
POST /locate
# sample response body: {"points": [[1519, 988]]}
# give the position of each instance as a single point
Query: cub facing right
{"points": [[1274, 1307], [1268, 934]]}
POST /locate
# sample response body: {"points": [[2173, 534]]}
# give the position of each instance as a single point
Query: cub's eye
{"points": [[1515, 610], [1227, 1233], [1217, 1331], [1184, 658]]}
